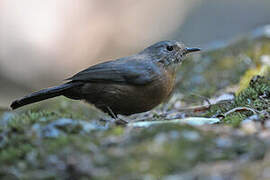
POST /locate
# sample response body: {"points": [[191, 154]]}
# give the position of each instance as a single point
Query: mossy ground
{"points": [[255, 99], [63, 139], [117, 152]]}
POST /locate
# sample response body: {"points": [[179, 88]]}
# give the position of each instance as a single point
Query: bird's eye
{"points": [[169, 48]]}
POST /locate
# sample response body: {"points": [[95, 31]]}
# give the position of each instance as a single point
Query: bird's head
{"points": [[168, 52]]}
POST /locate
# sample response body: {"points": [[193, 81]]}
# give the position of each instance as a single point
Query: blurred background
{"points": [[44, 42]]}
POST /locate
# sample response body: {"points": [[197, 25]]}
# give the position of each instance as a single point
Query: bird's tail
{"points": [[42, 95]]}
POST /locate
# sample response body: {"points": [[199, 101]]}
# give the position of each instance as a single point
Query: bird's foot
{"points": [[120, 122], [117, 120]]}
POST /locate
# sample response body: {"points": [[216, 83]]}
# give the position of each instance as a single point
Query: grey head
{"points": [[168, 52]]}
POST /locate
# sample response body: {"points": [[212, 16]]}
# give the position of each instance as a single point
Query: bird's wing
{"points": [[128, 71]]}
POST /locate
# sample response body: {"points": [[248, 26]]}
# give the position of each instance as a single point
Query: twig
{"points": [[240, 109], [201, 108], [195, 108]]}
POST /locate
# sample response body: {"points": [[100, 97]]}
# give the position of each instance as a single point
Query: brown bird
{"points": [[124, 86]]}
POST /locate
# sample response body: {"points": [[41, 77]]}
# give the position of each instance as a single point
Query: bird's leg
{"points": [[111, 113], [117, 120]]}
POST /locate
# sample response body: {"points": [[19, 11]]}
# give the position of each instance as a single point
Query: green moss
{"points": [[115, 153], [235, 119], [30, 117], [10, 154], [256, 97]]}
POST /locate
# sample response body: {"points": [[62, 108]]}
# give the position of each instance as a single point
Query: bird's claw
{"points": [[120, 122]]}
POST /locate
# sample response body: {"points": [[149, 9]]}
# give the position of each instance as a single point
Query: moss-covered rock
{"points": [[118, 152], [255, 99]]}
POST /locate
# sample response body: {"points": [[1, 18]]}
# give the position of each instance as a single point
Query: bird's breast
{"points": [[157, 91]]}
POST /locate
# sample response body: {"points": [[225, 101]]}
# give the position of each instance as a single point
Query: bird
{"points": [[128, 85]]}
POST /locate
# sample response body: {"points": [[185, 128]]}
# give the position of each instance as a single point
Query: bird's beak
{"points": [[190, 50]]}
